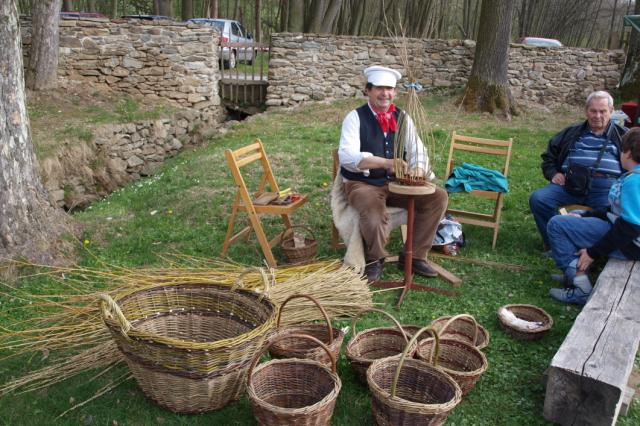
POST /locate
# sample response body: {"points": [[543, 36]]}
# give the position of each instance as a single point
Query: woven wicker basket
{"points": [[374, 343], [188, 345], [527, 313], [290, 347], [462, 327], [296, 392], [409, 392], [298, 254], [462, 361]]}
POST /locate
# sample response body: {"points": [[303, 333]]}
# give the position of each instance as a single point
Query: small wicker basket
{"points": [[295, 392], [374, 343], [409, 392], [462, 327], [528, 313], [289, 347], [298, 254]]}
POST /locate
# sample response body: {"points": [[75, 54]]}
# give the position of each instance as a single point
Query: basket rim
{"points": [[545, 327], [136, 334], [361, 335], [481, 330], [471, 348], [332, 395]]}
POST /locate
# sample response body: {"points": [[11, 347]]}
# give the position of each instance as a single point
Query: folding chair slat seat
{"points": [[500, 148], [243, 201]]}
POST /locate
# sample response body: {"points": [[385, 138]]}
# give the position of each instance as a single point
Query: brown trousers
{"points": [[371, 202]]}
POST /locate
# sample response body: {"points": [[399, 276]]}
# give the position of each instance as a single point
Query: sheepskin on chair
{"points": [[347, 222]]}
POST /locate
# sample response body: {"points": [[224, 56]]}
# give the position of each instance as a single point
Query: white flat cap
{"points": [[382, 76]]}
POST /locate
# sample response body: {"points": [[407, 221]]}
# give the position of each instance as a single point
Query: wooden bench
{"points": [[588, 376]]}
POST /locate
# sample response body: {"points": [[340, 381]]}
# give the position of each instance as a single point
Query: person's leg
{"points": [[544, 204], [370, 203]]}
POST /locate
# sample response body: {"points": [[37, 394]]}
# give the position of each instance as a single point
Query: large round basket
{"points": [[374, 343], [298, 254], [289, 347], [529, 313], [410, 392], [189, 346], [462, 327], [295, 392], [462, 361]]}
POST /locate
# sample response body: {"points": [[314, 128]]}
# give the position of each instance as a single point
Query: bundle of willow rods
{"points": [[70, 321]]}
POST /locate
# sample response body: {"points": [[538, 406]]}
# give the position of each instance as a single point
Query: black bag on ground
{"points": [[577, 180]]}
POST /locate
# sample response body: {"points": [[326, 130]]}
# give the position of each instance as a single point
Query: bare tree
{"points": [[67, 6], [43, 57], [258, 34], [114, 9], [187, 9], [165, 7], [630, 80], [488, 85], [296, 16], [29, 225]]}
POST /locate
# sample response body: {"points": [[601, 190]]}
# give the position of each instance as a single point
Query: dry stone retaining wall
{"points": [[308, 67]]}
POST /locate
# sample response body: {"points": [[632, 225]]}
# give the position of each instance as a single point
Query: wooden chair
{"points": [[244, 201], [498, 148]]}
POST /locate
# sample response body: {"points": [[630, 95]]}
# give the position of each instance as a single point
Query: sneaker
{"points": [[373, 270], [418, 266], [574, 295]]}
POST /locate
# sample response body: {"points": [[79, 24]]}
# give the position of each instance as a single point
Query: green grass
{"points": [[191, 197], [261, 62]]}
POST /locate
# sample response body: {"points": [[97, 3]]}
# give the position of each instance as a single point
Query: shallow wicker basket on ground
{"points": [[291, 391], [189, 346], [287, 346], [374, 343], [528, 313], [462, 327], [410, 392], [298, 254], [462, 361]]}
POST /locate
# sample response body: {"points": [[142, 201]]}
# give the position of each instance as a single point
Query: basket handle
{"points": [[306, 228], [263, 274], [256, 358], [414, 339], [314, 300], [110, 308], [395, 321], [460, 316]]}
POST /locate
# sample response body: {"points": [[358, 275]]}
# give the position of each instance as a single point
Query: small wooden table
{"points": [[411, 192]]}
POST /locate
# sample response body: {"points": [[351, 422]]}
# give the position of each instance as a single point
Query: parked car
{"points": [[540, 41], [148, 17], [80, 15], [231, 32]]}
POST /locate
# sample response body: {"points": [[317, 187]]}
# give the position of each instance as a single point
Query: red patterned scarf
{"points": [[387, 120]]}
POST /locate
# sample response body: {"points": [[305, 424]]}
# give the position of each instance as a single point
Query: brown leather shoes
{"points": [[418, 266], [373, 270]]}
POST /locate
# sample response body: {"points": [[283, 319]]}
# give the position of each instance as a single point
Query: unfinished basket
{"points": [[407, 391], [462, 361], [301, 254], [462, 327], [296, 392], [529, 313], [189, 346], [289, 347], [374, 343]]}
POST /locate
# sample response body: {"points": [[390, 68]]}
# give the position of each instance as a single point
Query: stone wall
{"points": [[307, 67], [174, 61]]}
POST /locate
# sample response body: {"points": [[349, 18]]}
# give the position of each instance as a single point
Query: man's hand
{"points": [[558, 179], [584, 261]]}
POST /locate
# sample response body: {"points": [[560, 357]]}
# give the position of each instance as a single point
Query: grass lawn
{"points": [[185, 206]]}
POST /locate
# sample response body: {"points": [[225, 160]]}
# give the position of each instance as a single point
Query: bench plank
{"points": [[589, 373]]}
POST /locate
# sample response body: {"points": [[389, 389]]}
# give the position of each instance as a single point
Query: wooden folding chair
{"points": [[499, 148], [244, 201]]}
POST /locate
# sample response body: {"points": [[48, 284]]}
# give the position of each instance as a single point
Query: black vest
{"points": [[373, 140]]}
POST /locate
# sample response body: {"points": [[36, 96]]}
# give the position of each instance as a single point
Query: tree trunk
{"points": [[488, 85], [215, 9], [613, 20], [29, 225], [42, 70], [317, 16], [257, 36], [91, 6], [156, 7], [630, 80], [67, 6], [330, 16], [114, 9], [187, 9], [296, 16], [166, 8]]}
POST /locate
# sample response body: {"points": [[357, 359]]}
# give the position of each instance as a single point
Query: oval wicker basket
{"points": [[288, 346], [189, 345], [295, 254], [409, 392], [295, 392], [462, 327], [374, 343], [528, 313], [462, 361]]}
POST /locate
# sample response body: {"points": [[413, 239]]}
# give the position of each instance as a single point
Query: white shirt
{"points": [[349, 150]]}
